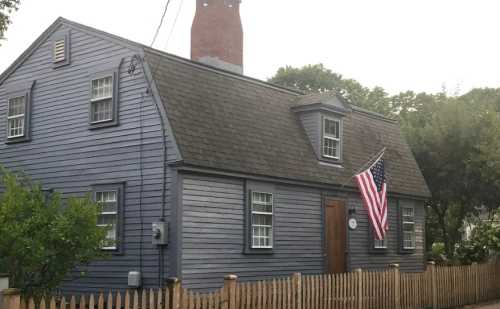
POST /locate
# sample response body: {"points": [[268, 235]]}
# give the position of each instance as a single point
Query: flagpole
{"points": [[371, 160]]}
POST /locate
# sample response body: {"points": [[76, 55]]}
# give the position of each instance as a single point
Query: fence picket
{"points": [[118, 302], [91, 302], [31, 303], [109, 302], [436, 287]]}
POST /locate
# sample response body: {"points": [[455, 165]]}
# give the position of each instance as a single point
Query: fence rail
{"points": [[437, 287]]}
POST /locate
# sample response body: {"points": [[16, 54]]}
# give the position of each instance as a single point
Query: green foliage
{"points": [[6, 8], [454, 140], [438, 253], [484, 242], [42, 239]]}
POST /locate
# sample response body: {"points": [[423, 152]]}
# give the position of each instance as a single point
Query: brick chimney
{"points": [[217, 34]]}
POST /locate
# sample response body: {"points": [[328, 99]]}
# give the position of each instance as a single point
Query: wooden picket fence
{"points": [[437, 287]]}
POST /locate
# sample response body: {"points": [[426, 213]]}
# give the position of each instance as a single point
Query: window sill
{"points": [[407, 251], [14, 140], [255, 251], [103, 124], [378, 250], [116, 251], [59, 64]]}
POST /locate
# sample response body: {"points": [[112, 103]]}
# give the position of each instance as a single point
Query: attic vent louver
{"points": [[60, 50]]}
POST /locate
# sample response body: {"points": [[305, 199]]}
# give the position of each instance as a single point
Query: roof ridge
{"points": [[222, 71], [180, 58]]}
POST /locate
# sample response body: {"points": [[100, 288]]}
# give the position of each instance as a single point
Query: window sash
{"points": [[261, 234], [102, 88], [102, 110], [380, 244], [336, 125], [334, 148]]}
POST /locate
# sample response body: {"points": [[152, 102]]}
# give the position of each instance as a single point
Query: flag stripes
{"points": [[373, 187]]}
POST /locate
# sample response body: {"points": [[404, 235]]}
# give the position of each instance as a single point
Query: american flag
{"points": [[373, 187]]}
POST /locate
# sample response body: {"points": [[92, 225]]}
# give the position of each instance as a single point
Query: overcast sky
{"points": [[396, 44]]}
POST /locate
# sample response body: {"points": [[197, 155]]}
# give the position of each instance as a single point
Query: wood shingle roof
{"points": [[228, 122]]}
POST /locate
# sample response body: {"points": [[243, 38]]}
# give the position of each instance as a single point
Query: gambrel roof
{"points": [[232, 123]]}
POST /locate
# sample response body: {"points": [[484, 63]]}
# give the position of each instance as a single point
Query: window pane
{"points": [[102, 110], [16, 106], [258, 219], [408, 227], [102, 88], [408, 212], [332, 128]]}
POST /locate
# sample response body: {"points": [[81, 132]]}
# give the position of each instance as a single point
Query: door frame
{"points": [[334, 198]]}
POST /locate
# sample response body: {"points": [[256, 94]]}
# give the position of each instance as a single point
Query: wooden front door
{"points": [[335, 236]]}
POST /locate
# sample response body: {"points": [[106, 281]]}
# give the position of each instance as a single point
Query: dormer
{"points": [[321, 116]]}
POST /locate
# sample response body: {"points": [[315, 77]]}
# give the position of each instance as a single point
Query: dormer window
{"points": [[322, 117], [331, 138]]}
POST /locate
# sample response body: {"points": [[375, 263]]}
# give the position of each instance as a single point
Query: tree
{"points": [[454, 140], [44, 238], [6, 8], [317, 78]]}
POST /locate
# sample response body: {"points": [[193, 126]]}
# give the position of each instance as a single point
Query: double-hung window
{"points": [[262, 220], [110, 198], [331, 138], [408, 227], [16, 117], [101, 102]]}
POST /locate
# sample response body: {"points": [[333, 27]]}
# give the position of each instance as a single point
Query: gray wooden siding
{"points": [[213, 233], [68, 157], [359, 240], [311, 122]]}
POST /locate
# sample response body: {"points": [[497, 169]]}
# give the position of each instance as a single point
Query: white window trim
{"points": [[109, 213], [110, 97], [330, 137], [252, 225], [23, 115], [403, 232]]}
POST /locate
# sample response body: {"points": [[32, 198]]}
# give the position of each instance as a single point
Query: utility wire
{"points": [[173, 26], [161, 23]]}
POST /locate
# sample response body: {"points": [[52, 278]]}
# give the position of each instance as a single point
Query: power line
{"points": [[161, 23], [173, 26]]}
